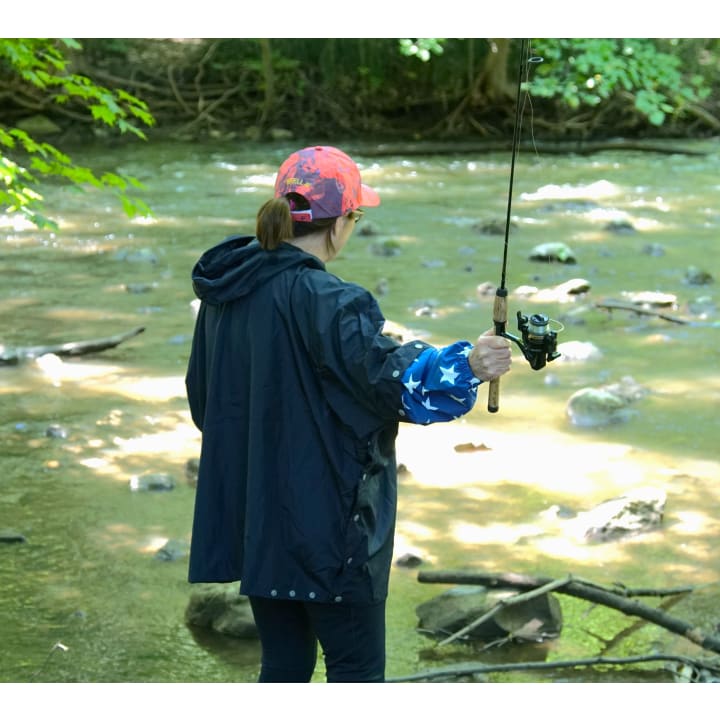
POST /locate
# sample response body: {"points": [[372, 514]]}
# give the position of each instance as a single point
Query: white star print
{"points": [[466, 351], [449, 375], [412, 384], [426, 404]]}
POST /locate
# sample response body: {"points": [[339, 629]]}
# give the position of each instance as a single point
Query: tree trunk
{"points": [[269, 82], [492, 85]]}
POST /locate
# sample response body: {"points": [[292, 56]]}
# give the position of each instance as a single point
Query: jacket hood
{"points": [[237, 265]]}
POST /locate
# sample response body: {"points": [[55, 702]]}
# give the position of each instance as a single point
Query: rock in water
{"points": [[152, 482], [223, 610], [446, 614], [637, 511], [606, 405], [596, 407], [553, 252]]}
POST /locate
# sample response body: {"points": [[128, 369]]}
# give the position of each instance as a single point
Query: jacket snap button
{"points": [[396, 373], [338, 598], [273, 593], [291, 593], [349, 560], [356, 518], [311, 595]]}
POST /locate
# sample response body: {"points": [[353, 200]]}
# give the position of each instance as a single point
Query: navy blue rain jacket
{"points": [[298, 396]]}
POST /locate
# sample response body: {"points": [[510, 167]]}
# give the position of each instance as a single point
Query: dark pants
{"points": [[352, 638]]}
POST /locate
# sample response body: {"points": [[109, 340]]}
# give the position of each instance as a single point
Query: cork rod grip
{"points": [[499, 318]]}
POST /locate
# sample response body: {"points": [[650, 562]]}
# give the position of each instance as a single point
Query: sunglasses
{"points": [[356, 215]]}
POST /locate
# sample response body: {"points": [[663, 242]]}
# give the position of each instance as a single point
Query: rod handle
{"points": [[500, 319]]}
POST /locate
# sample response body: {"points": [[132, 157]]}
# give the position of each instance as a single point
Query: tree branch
{"points": [[482, 669], [12, 356], [639, 310]]}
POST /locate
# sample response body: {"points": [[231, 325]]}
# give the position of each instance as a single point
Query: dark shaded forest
{"points": [[384, 90]]}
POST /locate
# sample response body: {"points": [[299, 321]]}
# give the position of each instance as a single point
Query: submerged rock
{"points": [[173, 550], [409, 559], [152, 482], [192, 468], [653, 249], [696, 276], [56, 431], [703, 306], [620, 227], [491, 227], [141, 255], [386, 248], [8, 536]]}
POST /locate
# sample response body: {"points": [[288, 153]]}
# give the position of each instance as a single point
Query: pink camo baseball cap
{"points": [[328, 179]]}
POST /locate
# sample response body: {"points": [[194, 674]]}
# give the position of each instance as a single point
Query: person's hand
{"points": [[491, 356]]}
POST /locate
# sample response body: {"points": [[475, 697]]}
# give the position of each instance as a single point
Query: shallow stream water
{"points": [[87, 576]]}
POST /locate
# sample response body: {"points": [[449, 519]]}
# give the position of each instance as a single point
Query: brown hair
{"points": [[274, 223]]}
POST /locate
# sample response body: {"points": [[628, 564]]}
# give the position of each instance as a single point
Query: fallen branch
{"points": [[12, 356], [618, 599], [639, 310], [483, 669]]}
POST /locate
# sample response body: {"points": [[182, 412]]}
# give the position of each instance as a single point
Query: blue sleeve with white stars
{"points": [[439, 385]]}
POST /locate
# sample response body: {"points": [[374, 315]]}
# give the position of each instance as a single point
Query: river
{"points": [[85, 599]]}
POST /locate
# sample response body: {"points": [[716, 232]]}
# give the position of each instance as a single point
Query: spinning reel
{"points": [[539, 342]]}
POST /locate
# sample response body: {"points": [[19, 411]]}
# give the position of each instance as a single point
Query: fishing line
{"points": [[524, 66]]}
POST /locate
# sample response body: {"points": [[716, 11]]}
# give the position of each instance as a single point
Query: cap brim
{"points": [[368, 197]]}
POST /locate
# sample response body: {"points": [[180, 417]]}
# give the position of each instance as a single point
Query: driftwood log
{"points": [[15, 355], [618, 598]]}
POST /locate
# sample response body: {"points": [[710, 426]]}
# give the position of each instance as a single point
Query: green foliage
{"points": [[589, 71], [422, 48], [26, 162]]}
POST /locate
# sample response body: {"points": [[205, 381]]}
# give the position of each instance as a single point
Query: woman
{"points": [[298, 394]]}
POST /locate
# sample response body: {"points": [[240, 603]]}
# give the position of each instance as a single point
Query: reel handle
{"points": [[500, 320]]}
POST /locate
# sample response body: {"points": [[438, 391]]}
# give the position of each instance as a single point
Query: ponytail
{"points": [[274, 223]]}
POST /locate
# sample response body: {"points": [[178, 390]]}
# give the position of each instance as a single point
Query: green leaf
{"points": [[103, 113], [657, 117]]}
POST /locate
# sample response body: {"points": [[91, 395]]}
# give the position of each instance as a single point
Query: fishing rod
{"points": [[538, 343]]}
